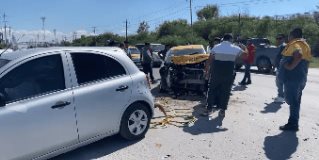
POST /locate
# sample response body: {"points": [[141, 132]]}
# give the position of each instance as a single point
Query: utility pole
{"points": [[191, 13], [94, 30], [5, 28], [126, 30], [54, 33], [239, 25], [43, 20], [94, 37]]}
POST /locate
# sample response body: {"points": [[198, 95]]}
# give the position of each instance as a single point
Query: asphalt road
{"points": [[249, 130]]}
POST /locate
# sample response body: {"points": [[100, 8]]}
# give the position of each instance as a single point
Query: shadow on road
{"points": [[239, 88], [272, 107], [281, 146], [190, 96], [98, 149], [204, 124]]}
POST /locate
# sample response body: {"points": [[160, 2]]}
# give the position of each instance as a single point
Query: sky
{"points": [[68, 17]]}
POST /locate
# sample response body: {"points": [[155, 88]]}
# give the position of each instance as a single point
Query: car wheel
{"points": [[264, 65], [135, 122]]}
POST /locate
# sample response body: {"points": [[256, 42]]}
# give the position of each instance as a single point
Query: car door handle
{"points": [[121, 88], [60, 104]]}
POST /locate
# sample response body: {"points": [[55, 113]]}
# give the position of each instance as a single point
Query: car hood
{"points": [[189, 59]]}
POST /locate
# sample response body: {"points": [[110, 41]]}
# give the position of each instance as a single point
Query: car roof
{"points": [[187, 47], [33, 52]]}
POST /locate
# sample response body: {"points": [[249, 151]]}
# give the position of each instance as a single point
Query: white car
{"points": [[57, 99]]}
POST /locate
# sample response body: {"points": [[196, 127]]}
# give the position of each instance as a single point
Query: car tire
{"points": [[135, 122], [264, 65]]}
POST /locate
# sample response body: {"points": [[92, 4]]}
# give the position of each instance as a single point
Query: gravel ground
{"points": [[248, 131]]}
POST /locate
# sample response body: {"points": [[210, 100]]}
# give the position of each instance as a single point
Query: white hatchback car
{"points": [[54, 100]]}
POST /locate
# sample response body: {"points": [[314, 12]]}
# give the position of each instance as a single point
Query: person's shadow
{"points": [[239, 88], [272, 107], [203, 124], [282, 146]]}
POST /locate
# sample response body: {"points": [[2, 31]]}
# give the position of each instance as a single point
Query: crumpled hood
{"points": [[189, 59]]}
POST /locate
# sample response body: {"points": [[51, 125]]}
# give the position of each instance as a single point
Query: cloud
{"points": [[38, 35]]}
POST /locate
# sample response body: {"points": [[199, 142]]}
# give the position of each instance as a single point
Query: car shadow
{"points": [[98, 149], [204, 124], [272, 107], [256, 71], [281, 146], [189, 96]]}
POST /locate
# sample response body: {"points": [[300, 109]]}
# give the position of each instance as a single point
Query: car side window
{"points": [[35, 77], [92, 67]]}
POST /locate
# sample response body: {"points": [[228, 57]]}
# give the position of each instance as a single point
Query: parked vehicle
{"points": [[265, 56], [183, 70], [136, 56], [54, 100], [157, 61]]}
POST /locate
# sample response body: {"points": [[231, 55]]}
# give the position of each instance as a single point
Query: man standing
{"points": [[221, 73], [295, 63], [248, 61], [279, 83], [126, 45], [147, 59], [162, 53]]}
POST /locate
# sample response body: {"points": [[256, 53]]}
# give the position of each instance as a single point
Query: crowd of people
{"points": [[291, 75], [291, 64]]}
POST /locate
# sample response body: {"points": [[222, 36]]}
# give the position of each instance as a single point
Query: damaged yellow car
{"points": [[183, 70]]}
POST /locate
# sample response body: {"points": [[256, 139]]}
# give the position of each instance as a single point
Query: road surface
{"points": [[249, 130]]}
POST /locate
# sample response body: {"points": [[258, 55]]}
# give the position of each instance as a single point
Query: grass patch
{"points": [[314, 62]]}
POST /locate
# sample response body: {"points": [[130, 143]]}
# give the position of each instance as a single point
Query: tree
{"points": [[208, 12], [143, 28]]}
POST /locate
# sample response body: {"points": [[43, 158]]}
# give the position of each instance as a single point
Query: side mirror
{"points": [[2, 100]]}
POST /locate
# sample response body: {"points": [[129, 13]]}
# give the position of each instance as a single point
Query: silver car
{"points": [[55, 100]]}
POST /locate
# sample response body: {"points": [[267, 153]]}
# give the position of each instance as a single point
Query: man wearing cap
{"points": [[126, 49], [147, 59], [294, 63], [221, 62]]}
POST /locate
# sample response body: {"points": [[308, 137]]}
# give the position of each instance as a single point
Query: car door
{"points": [[38, 116], [102, 93]]}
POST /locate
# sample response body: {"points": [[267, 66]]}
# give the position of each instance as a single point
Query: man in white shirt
{"points": [[221, 63]]}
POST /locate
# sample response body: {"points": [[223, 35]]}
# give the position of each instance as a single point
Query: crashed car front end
{"points": [[185, 73]]}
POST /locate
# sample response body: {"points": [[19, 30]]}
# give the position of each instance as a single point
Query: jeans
{"points": [[293, 93], [247, 77], [280, 85]]}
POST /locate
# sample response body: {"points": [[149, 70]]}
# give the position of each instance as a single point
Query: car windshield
{"points": [[134, 51], [3, 62], [188, 51], [157, 48]]}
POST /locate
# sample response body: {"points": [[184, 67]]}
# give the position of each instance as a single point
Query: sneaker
{"points": [[206, 113], [289, 127], [242, 83], [279, 100], [221, 113]]}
